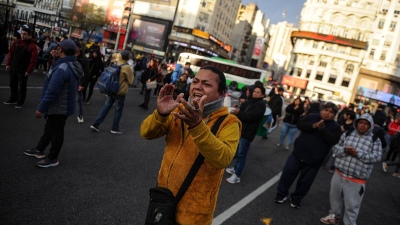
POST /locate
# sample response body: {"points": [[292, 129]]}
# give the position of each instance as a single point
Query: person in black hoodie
{"points": [[83, 82], [250, 114], [275, 104], [318, 133], [96, 68]]}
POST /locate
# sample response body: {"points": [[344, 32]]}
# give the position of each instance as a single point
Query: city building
{"points": [[279, 49], [342, 52], [198, 29]]}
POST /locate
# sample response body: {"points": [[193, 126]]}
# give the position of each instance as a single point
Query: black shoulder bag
{"points": [[162, 206]]}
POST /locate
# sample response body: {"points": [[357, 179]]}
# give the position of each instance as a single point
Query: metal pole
{"points": [[129, 26], [118, 35]]}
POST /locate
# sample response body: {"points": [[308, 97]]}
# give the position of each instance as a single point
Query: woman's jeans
{"points": [[119, 106], [289, 130], [241, 154]]}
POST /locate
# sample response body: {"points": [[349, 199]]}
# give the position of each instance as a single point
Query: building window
{"points": [[308, 74], [350, 68], [345, 82], [375, 42], [393, 25], [332, 79], [383, 55], [299, 71], [372, 53], [322, 64], [319, 76], [398, 60], [312, 62], [315, 45], [381, 24]]}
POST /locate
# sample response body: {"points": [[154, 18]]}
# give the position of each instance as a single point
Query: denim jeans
{"points": [[289, 130], [241, 154], [138, 75], [119, 106], [79, 103]]}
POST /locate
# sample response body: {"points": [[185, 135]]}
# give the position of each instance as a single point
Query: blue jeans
{"points": [[289, 130], [241, 154], [119, 106], [79, 103]]}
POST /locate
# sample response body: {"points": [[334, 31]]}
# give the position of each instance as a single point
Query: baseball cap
{"points": [[125, 55], [68, 45]]}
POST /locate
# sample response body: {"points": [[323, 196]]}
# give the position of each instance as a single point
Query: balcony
{"points": [[329, 39]]}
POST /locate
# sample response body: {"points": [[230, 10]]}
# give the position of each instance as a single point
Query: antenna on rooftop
{"points": [[284, 14]]}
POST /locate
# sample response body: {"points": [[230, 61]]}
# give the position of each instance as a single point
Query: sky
{"points": [[273, 9]]}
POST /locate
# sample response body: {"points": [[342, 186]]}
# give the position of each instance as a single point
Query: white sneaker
{"points": [[384, 167], [230, 170], [80, 119], [233, 179]]}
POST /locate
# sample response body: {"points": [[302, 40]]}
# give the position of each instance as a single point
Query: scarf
{"points": [[211, 106]]}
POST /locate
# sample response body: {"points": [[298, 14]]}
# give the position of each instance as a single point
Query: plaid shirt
{"points": [[368, 152]]}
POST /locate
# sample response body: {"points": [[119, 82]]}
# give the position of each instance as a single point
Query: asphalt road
{"points": [[104, 178]]}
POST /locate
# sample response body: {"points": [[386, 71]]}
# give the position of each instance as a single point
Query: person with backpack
{"points": [[355, 155], [96, 68], [21, 62], [125, 79]]}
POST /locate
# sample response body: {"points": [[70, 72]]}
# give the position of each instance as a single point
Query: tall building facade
{"points": [[338, 53], [279, 49], [204, 27]]}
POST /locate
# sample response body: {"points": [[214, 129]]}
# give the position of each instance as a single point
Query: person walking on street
{"points": [[81, 58], [96, 68], [293, 113], [250, 114], [3, 45], [21, 62], [125, 79], [186, 125], [319, 132], [150, 74], [355, 155], [275, 104], [57, 103]]}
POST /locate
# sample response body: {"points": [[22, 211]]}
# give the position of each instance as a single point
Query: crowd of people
{"points": [[188, 105]]}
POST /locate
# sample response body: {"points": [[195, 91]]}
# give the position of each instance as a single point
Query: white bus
{"points": [[243, 75]]}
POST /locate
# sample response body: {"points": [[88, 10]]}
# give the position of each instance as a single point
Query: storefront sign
{"points": [[218, 42], [148, 50], [294, 82], [155, 10], [378, 95], [200, 33]]}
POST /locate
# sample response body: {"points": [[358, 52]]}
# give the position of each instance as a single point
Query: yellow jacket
{"points": [[182, 147], [125, 77]]}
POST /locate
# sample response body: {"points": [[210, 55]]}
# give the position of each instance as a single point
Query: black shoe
{"points": [[143, 107], [141, 92], [264, 137], [295, 204], [280, 200]]}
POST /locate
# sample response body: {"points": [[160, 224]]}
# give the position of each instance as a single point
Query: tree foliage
{"points": [[87, 17]]}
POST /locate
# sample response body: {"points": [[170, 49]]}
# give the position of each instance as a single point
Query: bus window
{"points": [[196, 62]]}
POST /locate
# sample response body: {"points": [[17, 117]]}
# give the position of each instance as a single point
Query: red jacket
{"points": [[393, 127]]}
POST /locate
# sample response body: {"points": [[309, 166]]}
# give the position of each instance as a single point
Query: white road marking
{"points": [[246, 200]]}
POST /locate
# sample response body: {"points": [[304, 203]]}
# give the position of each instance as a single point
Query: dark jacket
{"points": [[60, 87], [292, 115], [3, 45], [86, 69], [250, 114], [312, 145], [96, 66], [380, 133], [23, 56], [275, 104]]}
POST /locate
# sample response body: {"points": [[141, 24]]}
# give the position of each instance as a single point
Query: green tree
{"points": [[87, 17]]}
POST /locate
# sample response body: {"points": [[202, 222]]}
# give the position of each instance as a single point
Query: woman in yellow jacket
{"points": [[187, 129]]}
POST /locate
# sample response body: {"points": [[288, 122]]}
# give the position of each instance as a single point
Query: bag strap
{"points": [[196, 165]]}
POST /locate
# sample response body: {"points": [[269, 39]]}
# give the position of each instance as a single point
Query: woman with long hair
{"points": [[289, 127], [150, 74], [96, 68]]}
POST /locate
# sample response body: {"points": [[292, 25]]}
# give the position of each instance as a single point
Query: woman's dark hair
{"points": [[221, 77], [262, 88]]}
